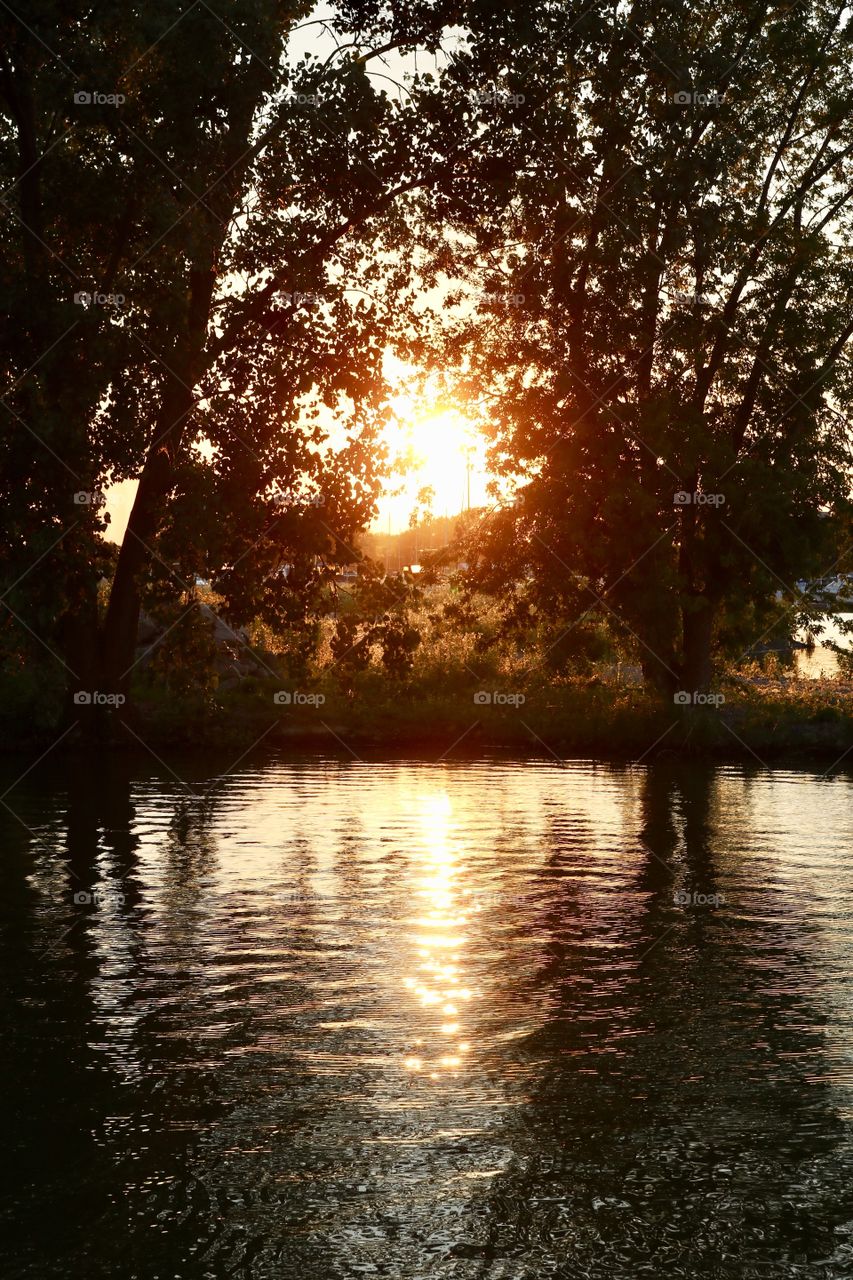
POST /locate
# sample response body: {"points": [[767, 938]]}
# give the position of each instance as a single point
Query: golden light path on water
{"points": [[438, 981]]}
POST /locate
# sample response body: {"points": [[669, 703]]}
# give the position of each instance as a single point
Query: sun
{"points": [[435, 447]]}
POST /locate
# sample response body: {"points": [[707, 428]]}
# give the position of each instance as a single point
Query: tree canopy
{"points": [[660, 261], [193, 300]]}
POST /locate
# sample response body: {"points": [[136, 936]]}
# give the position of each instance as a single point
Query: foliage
{"points": [[192, 300], [184, 660], [637, 224], [380, 620], [657, 302]]}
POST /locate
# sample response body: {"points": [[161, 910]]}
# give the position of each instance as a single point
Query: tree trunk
{"points": [[79, 627], [118, 637], [697, 637], [659, 675]]}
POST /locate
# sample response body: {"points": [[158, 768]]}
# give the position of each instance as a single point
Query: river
{"points": [[317, 1017]]}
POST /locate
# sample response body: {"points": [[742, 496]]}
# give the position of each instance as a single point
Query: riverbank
{"points": [[759, 717]]}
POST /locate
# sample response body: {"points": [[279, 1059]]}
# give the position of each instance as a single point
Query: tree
{"points": [[659, 237], [192, 298]]}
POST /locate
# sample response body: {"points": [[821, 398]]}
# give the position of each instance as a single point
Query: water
{"points": [[321, 1018], [821, 662]]}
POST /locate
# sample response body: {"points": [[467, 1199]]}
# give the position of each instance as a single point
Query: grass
{"points": [[600, 707], [581, 715]]}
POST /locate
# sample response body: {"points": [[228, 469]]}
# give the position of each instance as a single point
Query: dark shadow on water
{"points": [[103, 1103], [686, 1123]]}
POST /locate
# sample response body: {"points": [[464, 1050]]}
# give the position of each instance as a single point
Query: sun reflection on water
{"points": [[438, 983]]}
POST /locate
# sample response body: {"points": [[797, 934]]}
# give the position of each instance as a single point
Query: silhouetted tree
{"points": [[658, 236], [191, 284]]}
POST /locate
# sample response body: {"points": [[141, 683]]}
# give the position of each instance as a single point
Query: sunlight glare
{"points": [[433, 447]]}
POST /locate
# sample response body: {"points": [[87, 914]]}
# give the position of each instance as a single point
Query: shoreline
{"points": [[800, 721]]}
